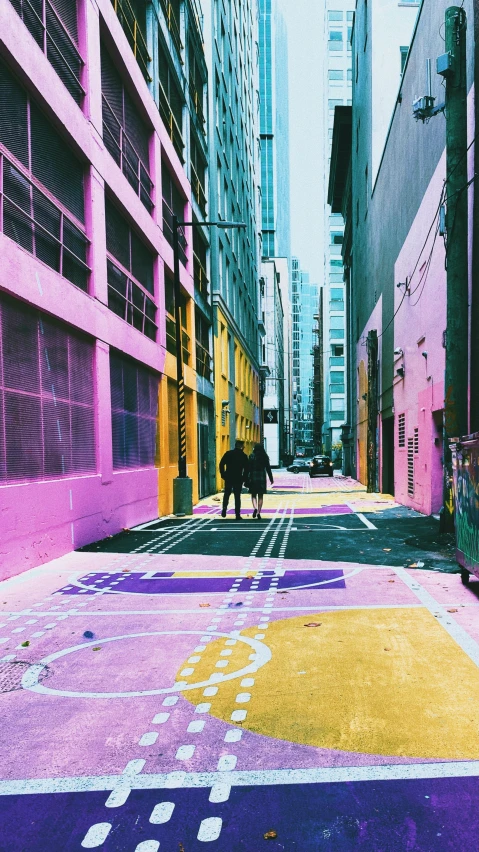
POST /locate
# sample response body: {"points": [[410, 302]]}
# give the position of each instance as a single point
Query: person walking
{"points": [[259, 466], [234, 471]]}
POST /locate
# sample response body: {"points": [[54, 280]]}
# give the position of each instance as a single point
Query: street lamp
{"points": [[183, 485]]}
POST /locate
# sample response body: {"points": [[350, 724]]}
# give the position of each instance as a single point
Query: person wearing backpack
{"points": [[259, 466]]}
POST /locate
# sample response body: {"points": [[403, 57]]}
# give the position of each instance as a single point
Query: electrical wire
{"points": [[426, 271]]}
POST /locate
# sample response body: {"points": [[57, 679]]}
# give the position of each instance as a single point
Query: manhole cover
{"points": [[11, 674]]}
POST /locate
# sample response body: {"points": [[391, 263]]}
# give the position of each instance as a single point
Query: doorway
{"points": [[388, 456]]}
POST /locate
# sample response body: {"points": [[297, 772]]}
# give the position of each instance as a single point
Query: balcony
{"points": [[123, 152], [171, 124], [43, 22], [132, 29], [173, 24], [204, 361], [32, 220]]}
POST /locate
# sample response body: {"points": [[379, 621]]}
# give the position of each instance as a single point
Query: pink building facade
{"points": [[93, 166]]}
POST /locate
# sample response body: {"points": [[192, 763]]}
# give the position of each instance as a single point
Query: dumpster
{"points": [[465, 462]]}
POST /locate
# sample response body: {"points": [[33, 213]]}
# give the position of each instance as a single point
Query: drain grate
{"points": [[11, 674]]}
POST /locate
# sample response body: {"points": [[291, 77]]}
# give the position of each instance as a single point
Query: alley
{"points": [[241, 685]]}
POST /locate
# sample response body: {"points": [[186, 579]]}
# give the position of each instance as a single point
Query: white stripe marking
{"points": [[118, 796], [96, 835], [196, 727], [220, 792], [185, 752], [162, 813], [148, 846], [148, 739], [160, 718], [210, 829]]}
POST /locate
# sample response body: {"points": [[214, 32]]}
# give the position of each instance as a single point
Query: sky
{"points": [[304, 19]]}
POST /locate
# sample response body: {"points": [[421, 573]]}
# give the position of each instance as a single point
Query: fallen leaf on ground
{"points": [[314, 624], [98, 648], [270, 835], [204, 605], [387, 549], [125, 570], [387, 649], [391, 581], [25, 644], [452, 610]]}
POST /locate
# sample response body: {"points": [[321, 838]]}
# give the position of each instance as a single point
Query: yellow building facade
{"points": [[237, 393]]}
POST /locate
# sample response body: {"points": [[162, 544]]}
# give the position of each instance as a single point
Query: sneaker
{"points": [[223, 513], [259, 516], [255, 513]]}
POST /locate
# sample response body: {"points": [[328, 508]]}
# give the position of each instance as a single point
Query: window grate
{"points": [[416, 442], [125, 134], [173, 204], [47, 424], [29, 218], [134, 412], [53, 25], [410, 467], [402, 430], [28, 135]]}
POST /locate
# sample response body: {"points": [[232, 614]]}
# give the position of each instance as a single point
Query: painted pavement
{"points": [[162, 700]]}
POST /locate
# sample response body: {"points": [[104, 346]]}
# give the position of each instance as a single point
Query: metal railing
{"points": [[171, 340], [173, 25], [54, 45], [32, 220], [200, 277], [130, 301], [168, 232], [196, 99], [198, 190], [132, 30], [203, 361], [171, 124], [125, 154]]}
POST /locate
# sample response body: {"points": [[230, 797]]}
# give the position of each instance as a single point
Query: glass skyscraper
{"points": [[274, 130]]}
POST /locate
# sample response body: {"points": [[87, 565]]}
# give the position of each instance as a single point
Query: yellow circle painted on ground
{"points": [[376, 681]]}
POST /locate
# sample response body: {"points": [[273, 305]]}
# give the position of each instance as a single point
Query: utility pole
{"points": [[456, 342], [372, 447]]}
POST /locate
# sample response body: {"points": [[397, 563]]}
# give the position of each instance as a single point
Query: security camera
{"points": [[398, 351], [424, 354]]}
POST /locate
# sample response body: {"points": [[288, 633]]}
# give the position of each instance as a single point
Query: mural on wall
{"points": [[466, 496]]}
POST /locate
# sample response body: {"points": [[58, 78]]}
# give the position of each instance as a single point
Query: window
{"points": [[134, 413], [171, 102], [337, 350], [335, 35], [41, 163], [47, 424], [402, 430], [203, 357], [334, 74], [416, 442], [53, 25], [173, 204], [403, 52], [335, 16], [335, 264], [130, 277], [410, 467], [198, 174], [124, 132]]}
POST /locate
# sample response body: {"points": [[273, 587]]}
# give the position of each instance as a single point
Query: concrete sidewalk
{"points": [[159, 694]]}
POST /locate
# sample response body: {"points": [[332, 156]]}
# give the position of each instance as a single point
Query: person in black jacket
{"points": [[259, 466], [234, 471]]}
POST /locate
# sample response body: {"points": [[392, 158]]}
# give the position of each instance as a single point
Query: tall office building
{"points": [[231, 43], [274, 131], [305, 301], [337, 88]]}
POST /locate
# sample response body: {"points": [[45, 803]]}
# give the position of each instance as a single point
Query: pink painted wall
{"points": [[375, 322], [42, 520], [418, 330]]}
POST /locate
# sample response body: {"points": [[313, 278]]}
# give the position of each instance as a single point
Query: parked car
{"points": [[321, 465], [299, 466]]}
